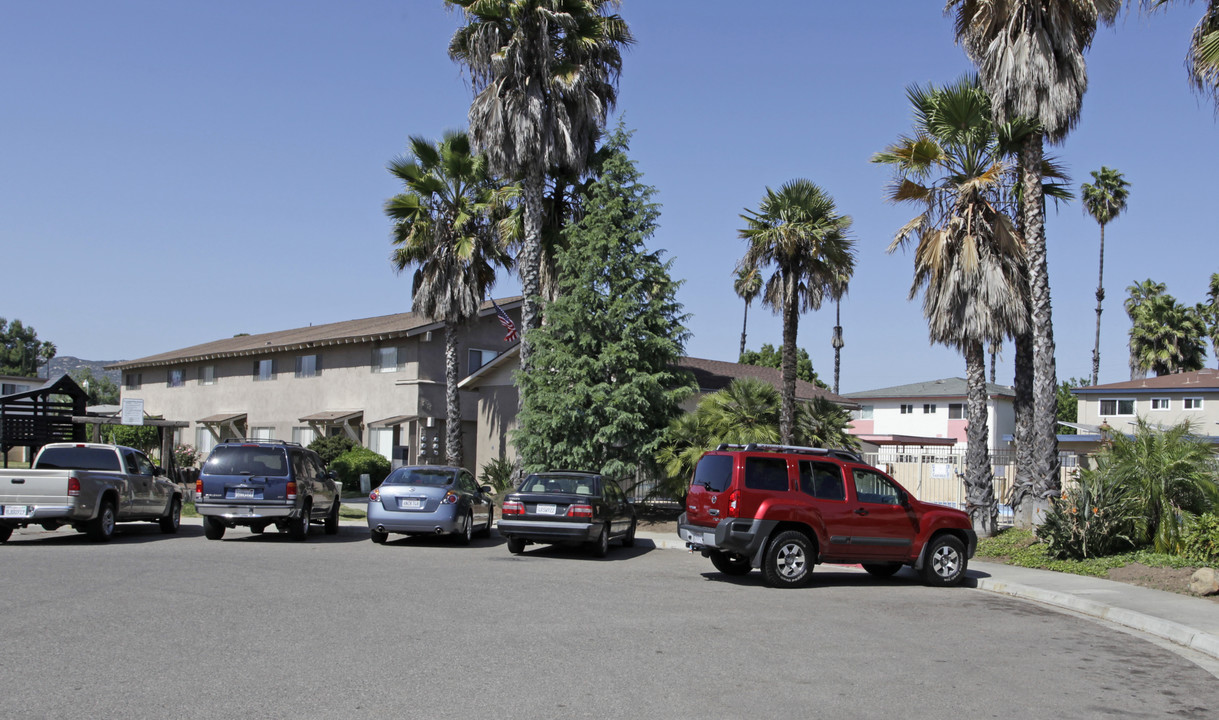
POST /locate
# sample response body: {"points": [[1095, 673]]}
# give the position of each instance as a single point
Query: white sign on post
{"points": [[133, 411]]}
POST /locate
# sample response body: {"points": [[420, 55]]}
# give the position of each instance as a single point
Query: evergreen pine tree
{"points": [[603, 384]]}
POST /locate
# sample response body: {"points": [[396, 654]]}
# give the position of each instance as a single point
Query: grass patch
{"points": [[352, 513], [1019, 547], [188, 510]]}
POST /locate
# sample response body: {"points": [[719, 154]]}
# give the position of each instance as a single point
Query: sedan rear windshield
{"points": [[419, 476], [247, 460], [78, 458], [565, 484]]}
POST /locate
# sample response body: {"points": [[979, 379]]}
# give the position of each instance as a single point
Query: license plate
{"points": [[410, 503], [244, 494], [547, 509], [16, 510]]}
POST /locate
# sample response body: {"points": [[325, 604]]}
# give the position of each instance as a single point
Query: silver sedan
{"points": [[432, 500]]}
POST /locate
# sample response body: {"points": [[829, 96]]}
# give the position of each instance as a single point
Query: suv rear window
{"points": [[247, 460], [766, 473], [714, 472]]}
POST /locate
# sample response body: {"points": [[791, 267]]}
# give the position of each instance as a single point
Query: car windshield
{"points": [[419, 476], [247, 460], [566, 484]]}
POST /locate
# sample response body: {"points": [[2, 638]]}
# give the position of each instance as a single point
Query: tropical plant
{"points": [[1170, 471], [822, 423], [1092, 517], [1202, 58], [1137, 295], [1030, 58], [747, 285], [1201, 540], [797, 230], [1104, 200], [500, 474], [968, 261], [1167, 337], [611, 341], [1210, 314], [544, 74], [444, 226]]}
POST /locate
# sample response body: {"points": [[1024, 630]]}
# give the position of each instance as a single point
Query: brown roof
{"points": [[385, 327], [1204, 379], [713, 375]]}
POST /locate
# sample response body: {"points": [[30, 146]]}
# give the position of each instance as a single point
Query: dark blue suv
{"points": [[258, 483]]}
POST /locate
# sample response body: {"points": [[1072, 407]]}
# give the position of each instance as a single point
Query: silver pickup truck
{"points": [[90, 487]]}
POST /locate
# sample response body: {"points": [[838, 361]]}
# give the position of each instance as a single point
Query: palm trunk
{"points": [[1045, 383], [1100, 297], [837, 342], [994, 355], [979, 479], [530, 266], [452, 401], [744, 325], [1022, 407], [791, 319]]}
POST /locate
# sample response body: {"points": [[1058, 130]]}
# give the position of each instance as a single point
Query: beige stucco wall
{"points": [[1204, 420]]}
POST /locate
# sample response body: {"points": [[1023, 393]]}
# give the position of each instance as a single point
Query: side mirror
{"points": [[332, 474], [158, 470], [904, 498], [487, 489]]}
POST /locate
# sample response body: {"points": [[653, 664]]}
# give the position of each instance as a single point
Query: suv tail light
{"points": [[580, 511], [375, 496], [198, 489], [450, 498], [512, 507], [73, 487], [291, 489], [734, 503]]}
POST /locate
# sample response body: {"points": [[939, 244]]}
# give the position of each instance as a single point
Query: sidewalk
{"points": [[1181, 619]]}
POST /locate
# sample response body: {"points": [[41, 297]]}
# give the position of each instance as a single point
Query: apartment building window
{"points": [[204, 440], [1110, 407], [385, 359], [956, 411], [303, 435], [864, 412], [133, 381], [264, 370], [1194, 403], [262, 433], [308, 366], [929, 408], [11, 388], [207, 374], [1161, 404], [175, 378], [478, 358], [907, 409]]}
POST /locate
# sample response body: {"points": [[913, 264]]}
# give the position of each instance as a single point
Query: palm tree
{"points": [[822, 423], [1138, 294], [1104, 201], [1202, 59], [1167, 337], [747, 285], [799, 231], [1030, 57], [443, 225], [968, 261], [544, 74], [1211, 314]]}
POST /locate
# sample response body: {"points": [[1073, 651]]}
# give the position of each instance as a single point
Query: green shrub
{"points": [[499, 474], [1093, 518], [331, 447], [1201, 541], [359, 461]]}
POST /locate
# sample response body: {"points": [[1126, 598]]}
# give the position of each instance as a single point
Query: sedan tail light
{"points": [[450, 498], [375, 496], [291, 489], [512, 507], [580, 511], [73, 487]]}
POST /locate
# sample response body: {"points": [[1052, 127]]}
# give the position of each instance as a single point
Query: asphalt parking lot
{"points": [[178, 626]]}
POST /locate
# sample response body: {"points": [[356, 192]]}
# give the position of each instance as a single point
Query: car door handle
{"points": [[861, 511]]}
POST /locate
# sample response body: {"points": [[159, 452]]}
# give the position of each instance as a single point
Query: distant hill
{"points": [[61, 364]]}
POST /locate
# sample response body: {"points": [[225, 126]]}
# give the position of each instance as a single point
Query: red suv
{"points": [[784, 509]]}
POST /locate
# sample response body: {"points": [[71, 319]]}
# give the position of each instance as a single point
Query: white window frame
{"points": [[303, 435], [1117, 407], [207, 374], [382, 354], [907, 409], [485, 356], [866, 412], [204, 440], [261, 374], [262, 433], [1191, 403], [1159, 404], [929, 408], [959, 410], [308, 366]]}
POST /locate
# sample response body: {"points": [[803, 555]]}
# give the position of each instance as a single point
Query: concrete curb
{"points": [[1173, 632]]}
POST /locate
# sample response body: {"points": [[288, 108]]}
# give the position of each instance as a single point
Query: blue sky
{"points": [[177, 173]]}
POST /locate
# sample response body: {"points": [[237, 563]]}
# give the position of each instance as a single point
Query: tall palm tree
{"points": [[1211, 314], [1104, 200], [969, 258], [1137, 295], [1167, 337], [1202, 59], [1030, 58], [544, 74], [747, 285], [797, 230], [444, 226]]}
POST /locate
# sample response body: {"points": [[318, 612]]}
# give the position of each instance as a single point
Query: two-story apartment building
{"points": [[380, 381], [1165, 400], [932, 409]]}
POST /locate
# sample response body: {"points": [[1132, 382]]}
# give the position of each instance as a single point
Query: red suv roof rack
{"points": [[752, 447]]}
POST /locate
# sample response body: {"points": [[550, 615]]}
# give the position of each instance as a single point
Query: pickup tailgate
{"points": [[22, 488]]}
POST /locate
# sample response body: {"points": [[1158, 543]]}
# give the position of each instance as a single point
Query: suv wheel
{"points": [[730, 564], [945, 562], [789, 560], [332, 519], [298, 527], [213, 529]]}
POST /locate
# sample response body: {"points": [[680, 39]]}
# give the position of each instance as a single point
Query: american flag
{"points": [[505, 321]]}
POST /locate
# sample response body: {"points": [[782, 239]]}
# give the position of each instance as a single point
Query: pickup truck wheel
{"points": [[5, 534], [516, 546], [882, 570], [378, 537], [213, 529], [172, 519], [332, 520], [101, 528], [628, 540], [601, 544], [298, 527], [730, 564], [789, 560], [945, 562]]}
